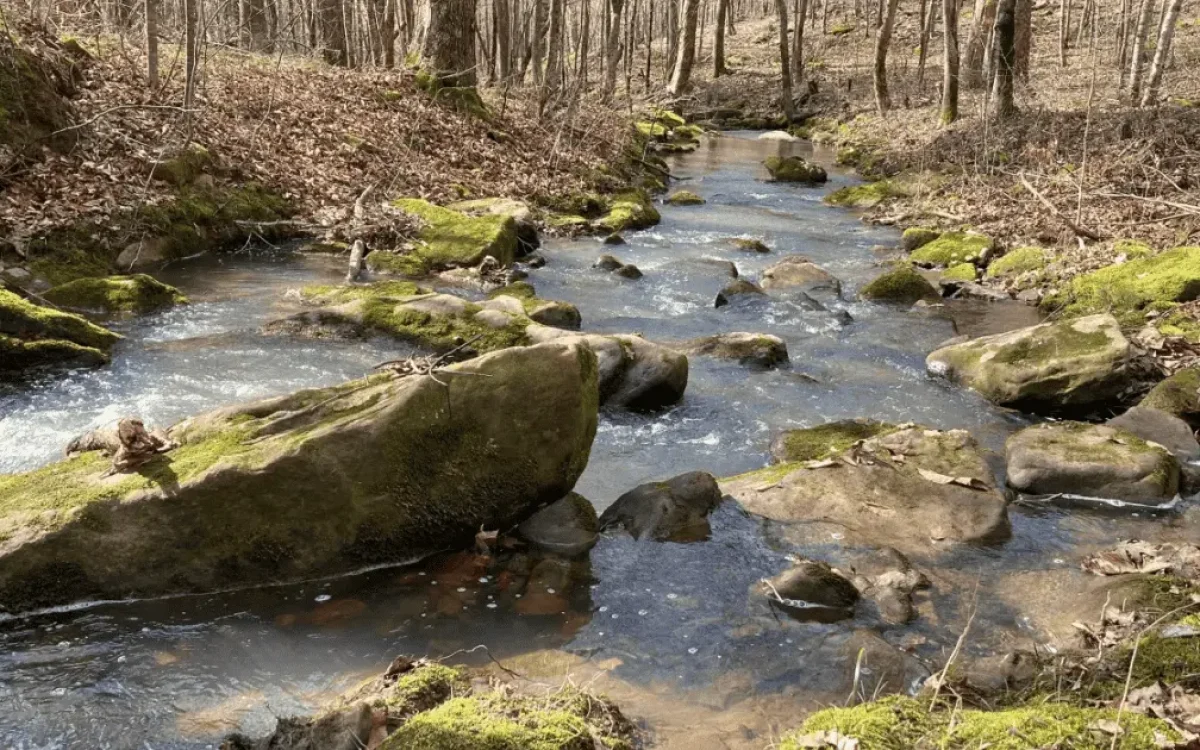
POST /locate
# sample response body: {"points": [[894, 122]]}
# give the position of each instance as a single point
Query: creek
{"points": [[666, 629]]}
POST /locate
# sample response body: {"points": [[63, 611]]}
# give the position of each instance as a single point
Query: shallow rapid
{"points": [[667, 629]]}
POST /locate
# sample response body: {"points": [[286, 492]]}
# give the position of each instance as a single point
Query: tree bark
{"points": [[1023, 41], [926, 35], [612, 49], [682, 77], [977, 43], [152, 44], [333, 32], [949, 109], [719, 39], [554, 47], [1004, 56], [785, 94], [1138, 51], [1162, 52], [191, 56], [449, 51], [541, 19], [798, 41], [883, 101], [1064, 31]]}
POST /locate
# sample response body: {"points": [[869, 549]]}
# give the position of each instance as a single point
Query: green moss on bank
{"points": [[629, 210], [18, 356], [864, 196], [137, 294], [1178, 394], [901, 723], [903, 285], [453, 239], [952, 248], [22, 319], [1128, 289], [961, 272], [1018, 261]]}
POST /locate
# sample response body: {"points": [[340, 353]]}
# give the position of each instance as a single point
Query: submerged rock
{"points": [[319, 482], [634, 373], [737, 289], [1090, 460], [1049, 366], [33, 336], [137, 294], [794, 169], [675, 510], [615, 266], [567, 527], [798, 272], [449, 239], [902, 284], [753, 349], [811, 590], [940, 490], [431, 706]]}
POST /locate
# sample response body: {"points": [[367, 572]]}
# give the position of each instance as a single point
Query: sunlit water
{"points": [[669, 628]]}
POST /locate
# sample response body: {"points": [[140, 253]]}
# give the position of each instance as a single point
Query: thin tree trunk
{"points": [[554, 47], [152, 44], [449, 50], [541, 19], [798, 22], [883, 101], [949, 110], [926, 34], [1023, 41], [785, 93], [333, 32], [191, 56], [1004, 56], [719, 39], [612, 49], [672, 37], [503, 36], [682, 77], [1162, 52], [1064, 30], [977, 43], [1138, 50]]}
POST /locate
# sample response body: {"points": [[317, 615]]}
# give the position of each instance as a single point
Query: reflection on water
{"points": [[669, 630]]}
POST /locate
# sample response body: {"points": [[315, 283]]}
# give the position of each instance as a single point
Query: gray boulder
{"points": [[675, 510], [752, 349], [736, 290], [567, 527], [798, 272], [1157, 426]]}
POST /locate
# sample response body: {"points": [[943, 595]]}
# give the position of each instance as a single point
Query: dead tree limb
{"points": [[1081, 231]]}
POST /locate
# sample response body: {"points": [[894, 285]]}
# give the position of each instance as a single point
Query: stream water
{"points": [[666, 629]]}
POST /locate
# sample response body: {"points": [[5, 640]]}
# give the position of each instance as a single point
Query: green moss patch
{"points": [[903, 285], [1018, 261], [22, 319], [1126, 290], [864, 196], [952, 248], [685, 198], [452, 239], [915, 237], [137, 294], [824, 441], [629, 210], [1178, 394], [331, 294], [903, 723], [961, 272], [794, 169]]}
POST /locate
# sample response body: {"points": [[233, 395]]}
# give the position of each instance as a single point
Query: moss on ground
{"points": [[901, 723], [1018, 261], [903, 284], [952, 248], [136, 294], [1128, 289], [961, 272], [453, 239], [824, 441], [336, 294], [1178, 394], [864, 196]]}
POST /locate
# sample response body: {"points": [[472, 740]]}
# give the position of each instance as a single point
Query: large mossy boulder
{"points": [[1018, 261], [953, 248], [33, 336], [821, 442], [904, 285], [519, 211], [449, 239], [1091, 460], [629, 210], [794, 169], [322, 481], [1047, 367], [1128, 289], [634, 373], [1179, 395], [798, 272], [911, 488], [113, 295]]}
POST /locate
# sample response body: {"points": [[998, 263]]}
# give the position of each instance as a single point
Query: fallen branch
{"points": [[1081, 231], [1186, 208]]}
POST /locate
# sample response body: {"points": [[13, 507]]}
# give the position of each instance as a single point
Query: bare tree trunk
{"points": [[554, 47], [926, 34], [1064, 30], [449, 51], [977, 43], [1162, 52], [949, 111], [682, 77], [503, 37], [333, 32], [541, 19], [612, 49], [672, 37], [883, 101], [256, 24], [1005, 59], [719, 39], [1138, 51], [152, 44], [785, 94], [1023, 41], [798, 22], [389, 35], [191, 54]]}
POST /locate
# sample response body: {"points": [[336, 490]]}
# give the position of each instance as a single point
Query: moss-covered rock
{"points": [[960, 272], [33, 336], [519, 211], [1127, 290], [1018, 261], [821, 442], [321, 481], [907, 508], [899, 723], [547, 312], [684, 198], [1092, 460], [137, 294], [863, 196], [1178, 394], [752, 349], [629, 210], [751, 245], [34, 108], [450, 239], [1047, 367], [795, 169], [916, 237], [952, 248], [184, 167], [902, 284]]}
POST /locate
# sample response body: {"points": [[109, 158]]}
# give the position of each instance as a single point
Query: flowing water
{"points": [[666, 629]]}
